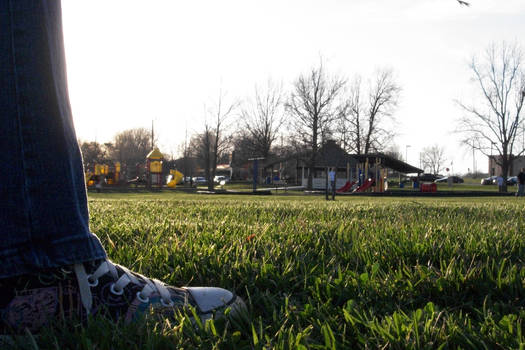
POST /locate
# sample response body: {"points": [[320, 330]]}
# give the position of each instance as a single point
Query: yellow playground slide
{"points": [[174, 178]]}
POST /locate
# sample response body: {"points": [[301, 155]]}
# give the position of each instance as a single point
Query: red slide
{"points": [[368, 183], [346, 187]]}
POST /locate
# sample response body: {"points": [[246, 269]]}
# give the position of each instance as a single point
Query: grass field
{"points": [[354, 273]]}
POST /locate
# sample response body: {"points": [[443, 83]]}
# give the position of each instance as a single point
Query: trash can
{"points": [[428, 187]]}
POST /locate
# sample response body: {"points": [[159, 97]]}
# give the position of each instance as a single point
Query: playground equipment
{"points": [[365, 186], [103, 172], [347, 187], [371, 174], [351, 170], [174, 178], [154, 167]]}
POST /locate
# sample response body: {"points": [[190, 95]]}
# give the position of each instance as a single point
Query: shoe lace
{"points": [[150, 285]]}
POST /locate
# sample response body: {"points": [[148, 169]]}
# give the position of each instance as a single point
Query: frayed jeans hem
{"points": [[24, 259]]}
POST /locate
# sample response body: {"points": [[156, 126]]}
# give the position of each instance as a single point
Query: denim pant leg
{"points": [[43, 207]]}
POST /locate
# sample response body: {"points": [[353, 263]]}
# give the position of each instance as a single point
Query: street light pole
{"points": [[473, 160]]}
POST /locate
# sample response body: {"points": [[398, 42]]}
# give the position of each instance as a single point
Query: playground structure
{"points": [[103, 173], [372, 171], [110, 175], [353, 172], [154, 177], [365, 178], [154, 168]]}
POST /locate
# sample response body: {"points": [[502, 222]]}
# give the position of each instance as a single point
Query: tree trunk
{"points": [[211, 184], [313, 156], [504, 170], [309, 184], [207, 173]]}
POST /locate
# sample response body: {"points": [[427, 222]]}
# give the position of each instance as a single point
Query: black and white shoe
{"points": [[105, 288]]}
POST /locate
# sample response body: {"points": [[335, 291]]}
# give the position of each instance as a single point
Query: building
{"points": [[495, 169], [350, 167], [330, 155]]}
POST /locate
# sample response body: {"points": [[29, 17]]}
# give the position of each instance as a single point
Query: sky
{"points": [[133, 61]]}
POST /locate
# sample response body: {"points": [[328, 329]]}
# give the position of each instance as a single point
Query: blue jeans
{"points": [[44, 219], [521, 190]]}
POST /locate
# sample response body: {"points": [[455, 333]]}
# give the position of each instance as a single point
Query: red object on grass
{"points": [[428, 187]]}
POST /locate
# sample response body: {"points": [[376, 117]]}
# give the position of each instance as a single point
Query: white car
{"points": [[221, 178], [199, 180]]}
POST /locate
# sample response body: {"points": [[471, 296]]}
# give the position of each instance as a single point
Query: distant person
{"points": [[100, 183], [52, 265], [499, 181], [331, 176], [521, 183]]}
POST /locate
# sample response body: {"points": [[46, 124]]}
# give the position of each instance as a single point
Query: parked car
{"points": [[491, 180], [425, 177], [511, 181], [455, 179], [220, 178], [199, 180]]}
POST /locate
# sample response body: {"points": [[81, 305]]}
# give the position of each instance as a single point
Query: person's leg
{"points": [[51, 263], [43, 212]]}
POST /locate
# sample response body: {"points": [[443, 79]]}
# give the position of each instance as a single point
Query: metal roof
{"points": [[388, 161]]}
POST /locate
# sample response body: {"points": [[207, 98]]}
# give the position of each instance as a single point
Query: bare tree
{"points": [[394, 152], [362, 117], [496, 123], [185, 149], [243, 147], [434, 158], [201, 146], [214, 141], [263, 118], [130, 148], [92, 153], [350, 126], [313, 110]]}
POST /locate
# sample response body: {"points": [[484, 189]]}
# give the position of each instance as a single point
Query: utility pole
{"points": [[152, 135], [473, 160], [255, 171]]}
